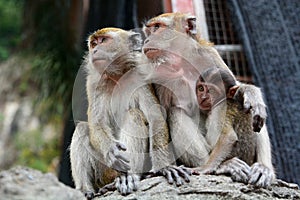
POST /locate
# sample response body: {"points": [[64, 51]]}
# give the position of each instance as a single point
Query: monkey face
{"points": [[203, 96], [108, 44], [179, 22], [209, 95]]}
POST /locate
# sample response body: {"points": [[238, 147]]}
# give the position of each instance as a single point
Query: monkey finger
{"points": [[188, 170], [123, 185], [263, 181], [238, 163], [121, 146], [122, 158], [119, 165], [183, 173], [240, 176], [129, 184], [136, 180], [254, 177], [168, 175], [132, 183], [176, 176], [118, 183]]}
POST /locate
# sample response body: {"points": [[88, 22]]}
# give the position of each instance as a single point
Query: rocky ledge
{"points": [[28, 184]]}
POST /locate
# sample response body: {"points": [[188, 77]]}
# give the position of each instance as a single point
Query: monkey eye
{"points": [[102, 39], [200, 88], [156, 26], [93, 43]]}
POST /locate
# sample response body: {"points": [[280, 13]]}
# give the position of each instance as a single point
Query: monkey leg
{"points": [[89, 173], [81, 160], [189, 144], [135, 135], [190, 147]]}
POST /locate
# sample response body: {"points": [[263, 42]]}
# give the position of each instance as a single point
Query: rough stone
{"points": [[206, 187], [22, 183]]}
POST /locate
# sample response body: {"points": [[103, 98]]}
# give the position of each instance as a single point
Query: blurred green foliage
{"points": [[10, 26], [42, 32], [35, 151], [53, 53]]}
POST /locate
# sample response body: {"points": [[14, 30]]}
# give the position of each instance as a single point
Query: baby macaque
{"points": [[237, 142]]}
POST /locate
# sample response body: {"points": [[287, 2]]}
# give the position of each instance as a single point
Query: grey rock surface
{"points": [[206, 187], [22, 183]]}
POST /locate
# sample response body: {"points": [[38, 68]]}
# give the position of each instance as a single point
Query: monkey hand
{"points": [[116, 160], [175, 174], [236, 168], [127, 183], [260, 175], [252, 101]]}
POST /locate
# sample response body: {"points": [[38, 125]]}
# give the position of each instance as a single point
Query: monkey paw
{"points": [[126, 184], [116, 160], [237, 169], [89, 195], [175, 174], [260, 175], [257, 123]]}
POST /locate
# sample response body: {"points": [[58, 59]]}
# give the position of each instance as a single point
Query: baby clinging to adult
{"points": [[230, 132]]}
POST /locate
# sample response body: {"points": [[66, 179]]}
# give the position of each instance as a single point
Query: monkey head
{"points": [[214, 86], [165, 28], [180, 22], [109, 44]]}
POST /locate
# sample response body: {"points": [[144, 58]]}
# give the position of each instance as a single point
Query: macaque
{"points": [[215, 91], [123, 115], [178, 56]]}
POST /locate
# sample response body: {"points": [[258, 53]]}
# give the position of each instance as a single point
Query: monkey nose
{"points": [[95, 51]]}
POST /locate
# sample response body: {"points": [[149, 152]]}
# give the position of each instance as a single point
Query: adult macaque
{"points": [[215, 91], [113, 146], [173, 44]]}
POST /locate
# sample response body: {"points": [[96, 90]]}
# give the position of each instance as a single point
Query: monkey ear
{"points": [[232, 91], [191, 25], [135, 41]]}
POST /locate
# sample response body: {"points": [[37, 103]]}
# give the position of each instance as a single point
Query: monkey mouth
{"points": [[151, 52], [205, 104], [98, 59]]}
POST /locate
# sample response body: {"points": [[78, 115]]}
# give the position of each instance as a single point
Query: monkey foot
{"points": [[89, 195], [175, 174]]}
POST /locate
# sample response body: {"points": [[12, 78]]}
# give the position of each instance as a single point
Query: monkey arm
{"points": [[221, 150], [262, 172], [108, 149], [161, 155], [251, 99]]}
